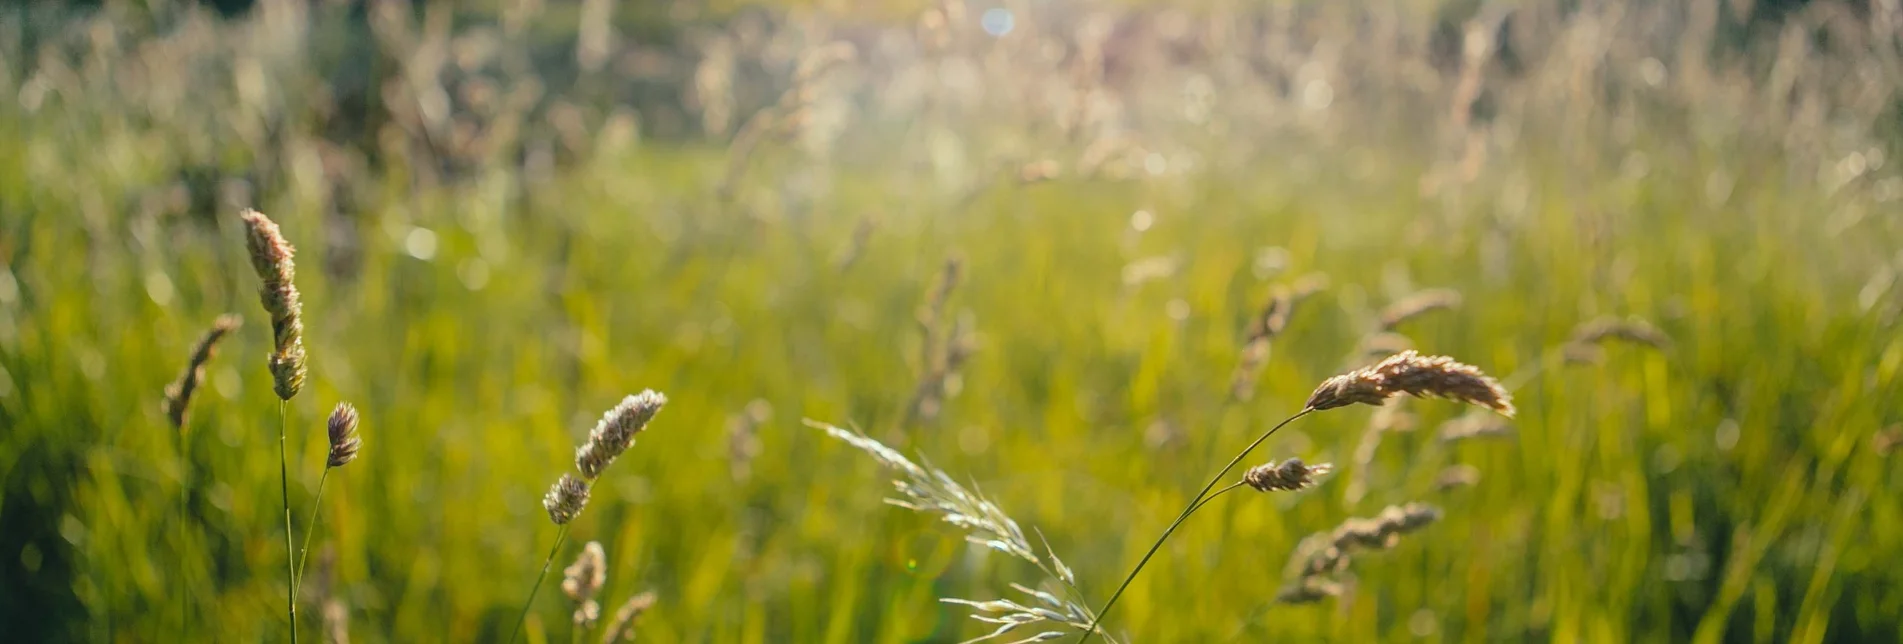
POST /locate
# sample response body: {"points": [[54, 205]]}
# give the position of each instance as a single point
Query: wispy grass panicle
{"points": [[932, 491], [929, 490], [615, 432], [1420, 376], [178, 395], [271, 257]]}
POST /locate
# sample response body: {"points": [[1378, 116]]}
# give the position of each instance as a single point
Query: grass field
{"points": [[489, 263]]}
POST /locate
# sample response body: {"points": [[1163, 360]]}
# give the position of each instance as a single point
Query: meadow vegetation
{"points": [[1057, 261]]}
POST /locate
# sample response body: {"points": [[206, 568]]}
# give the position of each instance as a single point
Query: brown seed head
{"points": [[1416, 375], [271, 258], [1632, 330], [1418, 304], [178, 395], [622, 628], [615, 432], [565, 499], [1289, 475], [343, 435]]}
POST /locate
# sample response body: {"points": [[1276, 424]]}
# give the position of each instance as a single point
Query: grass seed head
{"points": [[342, 429], [565, 499], [582, 579], [271, 257], [1420, 376], [615, 432], [178, 395], [1289, 475], [1418, 304], [621, 629]]}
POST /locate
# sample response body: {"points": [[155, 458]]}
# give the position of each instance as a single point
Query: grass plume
{"points": [[929, 490]]}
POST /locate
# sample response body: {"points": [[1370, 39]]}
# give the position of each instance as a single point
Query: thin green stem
{"points": [[184, 530], [1187, 510], [1212, 497], [310, 529], [284, 481], [560, 535]]}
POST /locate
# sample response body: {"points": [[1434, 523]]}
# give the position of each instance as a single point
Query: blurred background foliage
{"points": [[511, 214]]}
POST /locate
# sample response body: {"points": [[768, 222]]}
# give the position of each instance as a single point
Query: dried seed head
{"points": [[615, 433], [271, 258], [343, 436], [1632, 330], [1457, 476], [1328, 553], [1418, 304], [582, 579], [566, 499], [1473, 425], [178, 395], [622, 628], [1416, 375], [1289, 475]]}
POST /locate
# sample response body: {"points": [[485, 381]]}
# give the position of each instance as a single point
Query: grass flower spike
{"points": [[271, 258]]}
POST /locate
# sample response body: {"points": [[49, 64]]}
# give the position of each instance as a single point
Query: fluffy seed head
{"points": [[1416, 375], [343, 436], [582, 579], [622, 628], [178, 395], [271, 258], [1289, 475], [566, 499], [615, 433]]}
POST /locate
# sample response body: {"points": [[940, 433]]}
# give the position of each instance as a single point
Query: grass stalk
{"points": [[1194, 504], [310, 530], [560, 536], [284, 480]]}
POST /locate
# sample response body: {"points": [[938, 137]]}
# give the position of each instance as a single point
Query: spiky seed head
{"points": [[622, 628], [615, 432], [271, 257], [178, 395], [1420, 376], [343, 436], [565, 499], [582, 579], [1289, 475]]}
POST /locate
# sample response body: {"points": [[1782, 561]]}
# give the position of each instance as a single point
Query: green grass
{"points": [[1729, 489]]}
